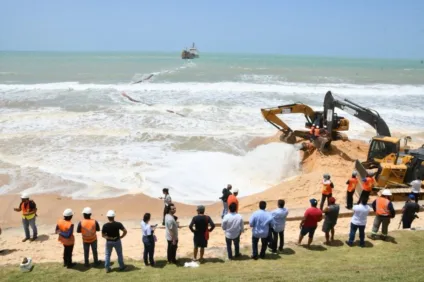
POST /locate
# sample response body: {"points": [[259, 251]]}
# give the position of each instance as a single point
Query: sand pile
{"points": [[339, 163]]}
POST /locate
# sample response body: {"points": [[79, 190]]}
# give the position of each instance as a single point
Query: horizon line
{"points": [[219, 52]]}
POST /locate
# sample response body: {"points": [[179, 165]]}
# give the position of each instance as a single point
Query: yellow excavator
{"points": [[395, 166], [313, 118]]}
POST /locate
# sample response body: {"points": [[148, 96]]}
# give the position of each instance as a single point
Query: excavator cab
{"points": [[383, 150]]}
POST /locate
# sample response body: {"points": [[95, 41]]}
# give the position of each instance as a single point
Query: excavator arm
{"points": [[289, 136], [369, 116]]}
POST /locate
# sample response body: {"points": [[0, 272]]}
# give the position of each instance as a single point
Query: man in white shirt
{"points": [[359, 221], [233, 226], [416, 188], [279, 224], [171, 234]]}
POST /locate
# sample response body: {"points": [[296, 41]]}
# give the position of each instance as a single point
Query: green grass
{"points": [[397, 260]]}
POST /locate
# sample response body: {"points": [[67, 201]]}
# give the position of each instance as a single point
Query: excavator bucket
{"points": [[288, 137]]}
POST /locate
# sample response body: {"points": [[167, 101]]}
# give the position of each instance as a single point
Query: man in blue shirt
{"points": [[260, 221], [279, 215]]}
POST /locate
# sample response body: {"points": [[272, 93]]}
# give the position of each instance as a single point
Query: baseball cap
{"points": [[313, 202], [412, 196], [332, 200]]}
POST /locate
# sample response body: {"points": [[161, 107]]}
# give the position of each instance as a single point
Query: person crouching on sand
{"points": [[88, 228], [65, 229], [331, 215], [29, 213], [201, 230]]}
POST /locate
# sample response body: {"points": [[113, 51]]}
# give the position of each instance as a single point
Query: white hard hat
{"points": [[110, 213], [235, 190], [317, 126], [68, 212], [386, 192], [86, 210], [354, 173], [24, 196]]}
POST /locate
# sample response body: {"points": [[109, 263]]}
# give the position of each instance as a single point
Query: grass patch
{"points": [[398, 260]]}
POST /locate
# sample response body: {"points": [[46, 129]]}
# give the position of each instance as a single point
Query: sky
{"points": [[360, 28]]}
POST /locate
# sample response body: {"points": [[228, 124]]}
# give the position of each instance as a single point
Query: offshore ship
{"points": [[191, 53]]}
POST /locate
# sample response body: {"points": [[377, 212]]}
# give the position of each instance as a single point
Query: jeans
{"points": [[172, 252], [149, 249], [225, 209], [381, 220], [255, 242], [236, 247], [273, 239], [67, 255], [417, 195], [353, 228], [323, 197], [86, 247], [117, 245], [349, 199], [26, 223]]}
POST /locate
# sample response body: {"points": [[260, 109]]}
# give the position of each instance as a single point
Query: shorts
{"points": [[200, 242], [327, 226], [306, 230]]}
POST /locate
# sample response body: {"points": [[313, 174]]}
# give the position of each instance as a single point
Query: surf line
{"points": [[169, 111]]}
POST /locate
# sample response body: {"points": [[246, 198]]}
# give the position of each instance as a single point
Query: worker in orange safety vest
{"points": [[384, 211], [65, 230], [88, 228]]}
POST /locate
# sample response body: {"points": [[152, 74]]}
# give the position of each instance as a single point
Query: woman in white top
{"points": [[148, 240], [359, 221]]}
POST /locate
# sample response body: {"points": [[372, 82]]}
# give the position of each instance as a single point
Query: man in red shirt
{"points": [[309, 223]]}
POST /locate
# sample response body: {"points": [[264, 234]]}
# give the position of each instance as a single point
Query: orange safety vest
{"points": [[88, 230], [316, 132], [233, 199], [352, 184], [26, 208], [368, 184], [64, 226], [326, 188], [382, 206]]}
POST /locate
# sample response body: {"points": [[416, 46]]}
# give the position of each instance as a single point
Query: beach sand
{"points": [[130, 209]]}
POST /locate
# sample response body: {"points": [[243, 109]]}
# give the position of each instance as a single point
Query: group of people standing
{"points": [[267, 227]]}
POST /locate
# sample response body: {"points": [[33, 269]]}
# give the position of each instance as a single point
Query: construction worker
{"points": [[331, 215], [351, 186], [327, 190], [110, 231], [65, 229], [233, 198], [312, 132], [88, 228], [384, 210], [409, 211], [367, 185], [29, 213]]}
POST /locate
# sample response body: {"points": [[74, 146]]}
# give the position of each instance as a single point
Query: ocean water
{"points": [[65, 127]]}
